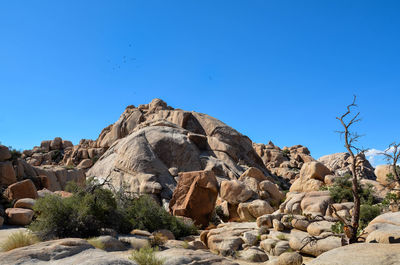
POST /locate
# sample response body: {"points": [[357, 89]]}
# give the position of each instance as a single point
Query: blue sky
{"points": [[273, 70]]}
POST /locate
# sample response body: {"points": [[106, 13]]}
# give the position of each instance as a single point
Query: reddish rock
{"points": [[19, 216], [195, 196], [20, 190], [4, 153], [7, 174]]}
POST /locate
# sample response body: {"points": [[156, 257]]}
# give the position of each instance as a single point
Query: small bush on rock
{"points": [[146, 256], [95, 242], [18, 240]]}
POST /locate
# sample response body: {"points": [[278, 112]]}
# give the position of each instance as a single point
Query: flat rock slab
{"points": [[60, 252], [180, 256], [356, 254]]}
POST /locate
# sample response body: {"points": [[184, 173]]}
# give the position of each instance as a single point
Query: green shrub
{"points": [[338, 228], [96, 243], [81, 215], [89, 210], [144, 213], [146, 256], [341, 191], [19, 239], [367, 214]]}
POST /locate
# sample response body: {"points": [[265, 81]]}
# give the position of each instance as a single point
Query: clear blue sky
{"points": [[273, 70]]}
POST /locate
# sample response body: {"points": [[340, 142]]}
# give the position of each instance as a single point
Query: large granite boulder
{"points": [[385, 228], [153, 142], [195, 196], [311, 177], [20, 190]]}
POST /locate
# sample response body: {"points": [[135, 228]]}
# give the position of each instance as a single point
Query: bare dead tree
{"points": [[347, 120], [392, 156]]}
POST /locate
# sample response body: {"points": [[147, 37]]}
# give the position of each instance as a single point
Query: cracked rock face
{"points": [[147, 149]]}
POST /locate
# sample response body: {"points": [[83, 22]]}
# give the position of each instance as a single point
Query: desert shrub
{"points": [[145, 213], [338, 228], [158, 239], [94, 207], [367, 214], [95, 242], [341, 191], [19, 239], [81, 215], [146, 256]]}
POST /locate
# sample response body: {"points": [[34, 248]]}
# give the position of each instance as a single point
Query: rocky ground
{"points": [[263, 202]]}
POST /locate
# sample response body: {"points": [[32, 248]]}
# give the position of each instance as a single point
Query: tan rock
{"points": [[20, 190], [235, 191], [362, 253], [26, 203], [385, 228], [19, 216], [253, 254], [297, 239], [290, 258], [382, 172], [314, 170], [85, 163], [316, 228], [195, 196], [275, 195], [316, 202], [255, 173]]}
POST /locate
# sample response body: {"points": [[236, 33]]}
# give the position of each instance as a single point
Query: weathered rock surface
{"points": [[311, 177], [297, 241], [382, 172], [20, 190], [111, 243], [150, 140], [180, 256], [61, 252], [363, 253], [19, 216], [26, 203], [195, 196], [290, 258], [339, 164], [7, 174], [4, 153], [227, 238], [384, 228], [285, 162], [235, 192]]}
